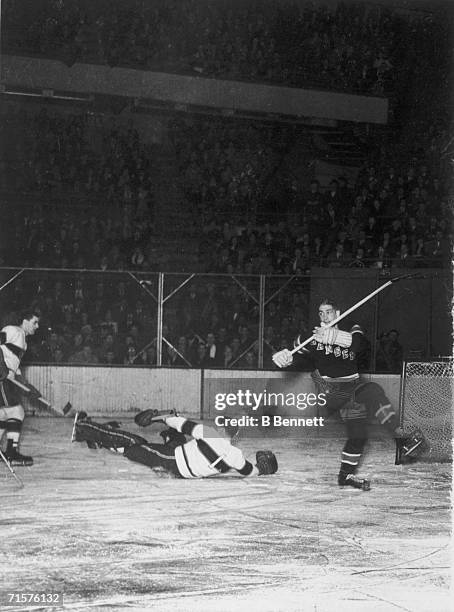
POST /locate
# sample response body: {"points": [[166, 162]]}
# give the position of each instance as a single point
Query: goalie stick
{"points": [[360, 303]]}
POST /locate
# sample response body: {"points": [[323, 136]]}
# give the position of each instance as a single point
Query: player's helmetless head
{"points": [[328, 311], [30, 324]]}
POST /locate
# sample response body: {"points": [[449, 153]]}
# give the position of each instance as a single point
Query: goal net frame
{"points": [[426, 403]]}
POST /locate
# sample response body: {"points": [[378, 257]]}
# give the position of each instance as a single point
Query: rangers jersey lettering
{"points": [[335, 361]]}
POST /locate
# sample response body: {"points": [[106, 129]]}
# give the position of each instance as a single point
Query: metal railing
{"points": [[218, 320]]}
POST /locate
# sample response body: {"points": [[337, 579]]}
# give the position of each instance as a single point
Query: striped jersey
{"points": [[13, 346], [208, 453]]}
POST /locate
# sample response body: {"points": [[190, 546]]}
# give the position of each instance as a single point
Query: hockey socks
{"points": [[351, 456], [12, 454]]}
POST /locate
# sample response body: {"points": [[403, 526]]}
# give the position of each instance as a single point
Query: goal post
{"points": [[426, 403]]}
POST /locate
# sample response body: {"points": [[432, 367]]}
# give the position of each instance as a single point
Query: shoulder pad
{"points": [[14, 335]]}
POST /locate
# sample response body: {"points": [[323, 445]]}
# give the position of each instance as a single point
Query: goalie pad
{"points": [[102, 435], [266, 462]]}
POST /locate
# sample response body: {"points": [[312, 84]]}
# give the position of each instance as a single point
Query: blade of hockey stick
{"points": [[417, 275]]}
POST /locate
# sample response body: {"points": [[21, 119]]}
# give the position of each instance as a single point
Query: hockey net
{"points": [[426, 403]]}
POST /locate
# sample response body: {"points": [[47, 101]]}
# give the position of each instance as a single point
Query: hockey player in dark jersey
{"points": [[190, 449], [333, 353]]}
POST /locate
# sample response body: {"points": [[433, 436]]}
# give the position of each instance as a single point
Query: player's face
{"points": [[327, 313], [30, 325]]}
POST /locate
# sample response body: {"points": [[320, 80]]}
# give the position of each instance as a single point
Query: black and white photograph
{"points": [[226, 305]]}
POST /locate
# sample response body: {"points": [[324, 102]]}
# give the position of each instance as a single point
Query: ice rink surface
{"points": [[113, 535]]}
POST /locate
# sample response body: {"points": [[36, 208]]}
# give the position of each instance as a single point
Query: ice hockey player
{"points": [[189, 449], [333, 354], [13, 345]]}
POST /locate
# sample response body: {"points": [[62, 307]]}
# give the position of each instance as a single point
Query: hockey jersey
{"points": [[208, 453], [13, 346], [333, 361]]}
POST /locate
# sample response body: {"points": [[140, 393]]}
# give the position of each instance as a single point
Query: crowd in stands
{"points": [[111, 319], [225, 166], [56, 157], [396, 214], [350, 47], [388, 220]]}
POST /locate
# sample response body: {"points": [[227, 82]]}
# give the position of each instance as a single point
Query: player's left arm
{"points": [[359, 342]]}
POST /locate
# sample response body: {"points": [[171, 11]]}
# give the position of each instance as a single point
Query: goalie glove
{"points": [[149, 416], [266, 462], [173, 438]]}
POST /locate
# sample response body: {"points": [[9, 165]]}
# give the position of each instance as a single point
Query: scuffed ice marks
{"points": [[111, 535]]}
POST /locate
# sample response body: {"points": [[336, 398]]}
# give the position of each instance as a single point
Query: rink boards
{"points": [[103, 390]]}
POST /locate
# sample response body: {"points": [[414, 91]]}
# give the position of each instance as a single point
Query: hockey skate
{"points": [[14, 458], [77, 435], [79, 416], [350, 480]]}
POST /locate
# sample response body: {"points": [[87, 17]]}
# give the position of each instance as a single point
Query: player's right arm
{"points": [[283, 358]]}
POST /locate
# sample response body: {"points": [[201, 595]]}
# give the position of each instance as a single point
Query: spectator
{"points": [[213, 357], [390, 353], [130, 357], [200, 360], [85, 355], [227, 357]]}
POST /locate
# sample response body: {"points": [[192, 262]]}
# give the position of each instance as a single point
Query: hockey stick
{"points": [[358, 304], [41, 399], [27, 389], [8, 465]]}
